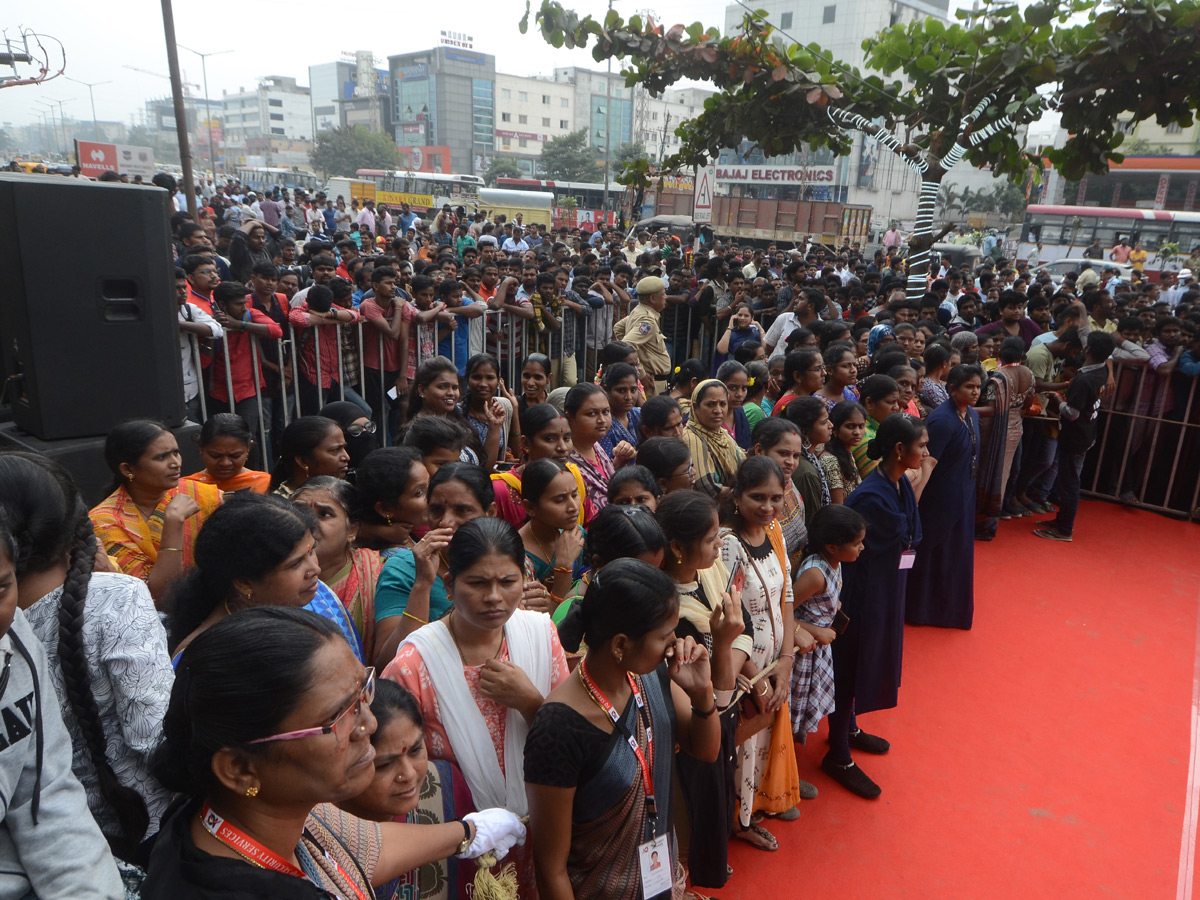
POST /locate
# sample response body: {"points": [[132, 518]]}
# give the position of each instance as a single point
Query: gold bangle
{"points": [[414, 618], [169, 550]]}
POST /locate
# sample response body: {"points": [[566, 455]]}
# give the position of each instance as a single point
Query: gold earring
{"points": [[387, 518], [620, 656], [131, 476], [249, 594], [252, 792]]}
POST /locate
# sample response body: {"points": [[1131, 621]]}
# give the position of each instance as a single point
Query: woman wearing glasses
{"points": [[269, 725], [260, 551], [358, 428], [480, 673]]}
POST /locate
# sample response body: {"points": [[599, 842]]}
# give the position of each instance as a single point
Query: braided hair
{"points": [[50, 520]]}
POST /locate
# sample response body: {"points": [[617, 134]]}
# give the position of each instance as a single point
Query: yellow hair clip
{"points": [[750, 382], [677, 370]]}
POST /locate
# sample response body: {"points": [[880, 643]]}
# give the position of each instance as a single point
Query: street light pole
{"points": [[212, 153], [181, 129], [62, 121], [607, 123], [53, 126], [92, 98]]}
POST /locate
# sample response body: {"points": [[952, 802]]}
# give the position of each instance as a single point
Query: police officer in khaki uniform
{"points": [[641, 329]]}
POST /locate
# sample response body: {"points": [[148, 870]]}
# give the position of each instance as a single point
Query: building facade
{"points": [[276, 108], [444, 97], [871, 175], [529, 112], [350, 91]]}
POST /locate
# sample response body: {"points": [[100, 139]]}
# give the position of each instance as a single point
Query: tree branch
{"points": [[848, 119]]}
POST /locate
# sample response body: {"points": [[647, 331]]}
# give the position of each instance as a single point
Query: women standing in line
{"points": [[552, 537], [867, 655], [310, 446], [941, 585], [621, 385], [545, 434], [1006, 394], [590, 417], [481, 673], [587, 787], [715, 453], [781, 440], [535, 378], [350, 572], [754, 542], [256, 550], [105, 648], [268, 726], [736, 380], [811, 417], [150, 520]]}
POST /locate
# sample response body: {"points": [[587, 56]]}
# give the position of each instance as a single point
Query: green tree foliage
{"points": [[502, 167], [343, 151], [966, 87], [570, 158], [630, 153]]}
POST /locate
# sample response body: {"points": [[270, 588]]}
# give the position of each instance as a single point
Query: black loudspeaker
{"points": [[88, 316]]}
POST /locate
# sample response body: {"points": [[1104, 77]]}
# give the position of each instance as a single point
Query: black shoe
{"points": [[851, 777], [868, 743]]}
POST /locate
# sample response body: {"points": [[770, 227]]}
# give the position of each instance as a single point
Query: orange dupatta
{"points": [[780, 787]]}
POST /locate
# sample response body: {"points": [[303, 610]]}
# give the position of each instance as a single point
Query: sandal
{"points": [[759, 837]]}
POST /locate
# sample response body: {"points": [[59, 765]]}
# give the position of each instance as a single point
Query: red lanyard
{"points": [[250, 849], [645, 760], [245, 845]]}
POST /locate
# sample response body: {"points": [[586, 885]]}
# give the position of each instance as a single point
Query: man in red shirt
{"points": [[242, 324], [390, 313]]}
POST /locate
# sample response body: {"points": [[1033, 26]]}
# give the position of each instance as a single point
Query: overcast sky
{"points": [[274, 37]]}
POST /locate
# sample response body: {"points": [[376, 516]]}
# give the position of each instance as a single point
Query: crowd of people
{"points": [[580, 523]]}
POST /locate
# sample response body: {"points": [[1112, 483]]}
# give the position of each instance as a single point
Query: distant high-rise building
{"points": [[276, 108], [351, 91], [445, 97]]}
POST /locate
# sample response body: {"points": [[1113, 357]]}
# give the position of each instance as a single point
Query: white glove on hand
{"points": [[497, 830]]}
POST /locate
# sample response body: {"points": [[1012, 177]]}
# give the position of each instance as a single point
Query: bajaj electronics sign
{"points": [[95, 159], [768, 175]]}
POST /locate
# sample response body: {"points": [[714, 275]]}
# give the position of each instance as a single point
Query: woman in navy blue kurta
{"points": [[941, 585], [867, 655]]}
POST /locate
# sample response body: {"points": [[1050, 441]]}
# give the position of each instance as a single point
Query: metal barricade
{"points": [[341, 366], [1147, 451], [316, 332], [283, 391], [264, 434], [295, 369], [383, 390], [194, 342], [228, 375]]}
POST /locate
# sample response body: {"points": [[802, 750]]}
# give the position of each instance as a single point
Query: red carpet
{"points": [[1045, 753]]}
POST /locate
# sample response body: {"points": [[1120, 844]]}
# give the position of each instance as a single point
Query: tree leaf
{"points": [[779, 73]]}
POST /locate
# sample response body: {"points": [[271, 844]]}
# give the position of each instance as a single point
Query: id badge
{"points": [[907, 558], [654, 858]]}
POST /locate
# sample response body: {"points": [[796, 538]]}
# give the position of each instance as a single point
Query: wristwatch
{"points": [[466, 841]]}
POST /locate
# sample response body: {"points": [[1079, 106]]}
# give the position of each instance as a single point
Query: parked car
{"points": [[1060, 267]]}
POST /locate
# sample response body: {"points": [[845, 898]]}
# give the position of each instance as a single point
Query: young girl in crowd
{"points": [[803, 375], [545, 434], [683, 381], [480, 674], [535, 381], [781, 441], [837, 537], [620, 383], [590, 417], [151, 518], [670, 462], [552, 536], [880, 398], [742, 328], [225, 444], [310, 446], [349, 571], [937, 366], [489, 408], [736, 380], [811, 418], [661, 416], [752, 541], [436, 393], [849, 423], [841, 376], [588, 809], [439, 441], [757, 376], [634, 486]]}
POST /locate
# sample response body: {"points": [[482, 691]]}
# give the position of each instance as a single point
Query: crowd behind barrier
{"points": [[503, 534]]}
